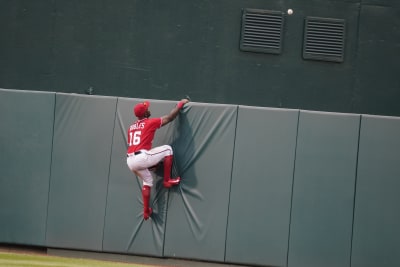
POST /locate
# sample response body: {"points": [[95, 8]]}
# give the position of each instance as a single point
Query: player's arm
{"points": [[174, 112]]}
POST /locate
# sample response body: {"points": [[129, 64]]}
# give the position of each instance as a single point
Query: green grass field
{"points": [[9, 259]]}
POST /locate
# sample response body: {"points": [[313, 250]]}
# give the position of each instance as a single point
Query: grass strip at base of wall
{"points": [[8, 259]]}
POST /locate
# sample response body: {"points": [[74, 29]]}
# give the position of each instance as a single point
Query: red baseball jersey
{"points": [[141, 134]]}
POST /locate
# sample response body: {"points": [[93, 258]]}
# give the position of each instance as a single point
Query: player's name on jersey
{"points": [[137, 126]]}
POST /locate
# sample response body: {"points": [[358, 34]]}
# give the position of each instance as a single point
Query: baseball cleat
{"points": [[147, 214], [171, 183]]}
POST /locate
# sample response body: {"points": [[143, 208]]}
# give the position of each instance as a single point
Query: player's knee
{"points": [[169, 150], [148, 181]]}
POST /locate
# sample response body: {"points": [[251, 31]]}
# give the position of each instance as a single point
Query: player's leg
{"points": [[168, 181], [147, 210], [147, 178], [165, 153]]}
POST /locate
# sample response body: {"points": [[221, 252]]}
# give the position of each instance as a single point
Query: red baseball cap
{"points": [[141, 108]]}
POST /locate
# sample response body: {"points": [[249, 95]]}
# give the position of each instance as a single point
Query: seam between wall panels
{"points": [[355, 190], [51, 164], [291, 196], [230, 184], [109, 170]]}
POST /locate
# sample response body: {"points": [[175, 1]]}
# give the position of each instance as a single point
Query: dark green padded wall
{"points": [[198, 208], [83, 135], [261, 189], [381, 3], [377, 83], [323, 190], [126, 48], [93, 46], [377, 217], [26, 135], [292, 82], [125, 231], [26, 34]]}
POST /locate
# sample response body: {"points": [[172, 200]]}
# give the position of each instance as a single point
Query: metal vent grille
{"points": [[262, 31], [324, 39]]}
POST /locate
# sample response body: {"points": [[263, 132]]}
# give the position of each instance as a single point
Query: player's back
{"points": [[141, 134]]}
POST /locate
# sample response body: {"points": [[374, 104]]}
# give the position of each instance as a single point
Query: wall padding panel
{"points": [[198, 208], [26, 134], [323, 190], [83, 135], [125, 230], [261, 190], [376, 239]]}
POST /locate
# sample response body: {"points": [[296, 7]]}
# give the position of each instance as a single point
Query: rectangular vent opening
{"points": [[324, 39], [262, 31]]}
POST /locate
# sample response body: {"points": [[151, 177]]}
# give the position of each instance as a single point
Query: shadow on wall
{"points": [[184, 157]]}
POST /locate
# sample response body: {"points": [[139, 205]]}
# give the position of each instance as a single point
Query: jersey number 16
{"points": [[134, 138]]}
